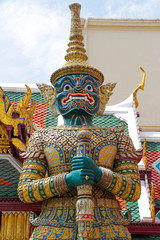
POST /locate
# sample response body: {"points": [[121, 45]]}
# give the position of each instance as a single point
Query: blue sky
{"points": [[34, 33]]}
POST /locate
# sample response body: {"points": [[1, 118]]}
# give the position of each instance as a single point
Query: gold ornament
{"points": [[87, 178], [105, 91], [4, 140], [144, 154], [152, 205], [6, 113], [26, 110], [49, 94], [141, 86]]}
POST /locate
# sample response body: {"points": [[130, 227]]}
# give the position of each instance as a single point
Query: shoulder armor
{"points": [[35, 148], [126, 148]]}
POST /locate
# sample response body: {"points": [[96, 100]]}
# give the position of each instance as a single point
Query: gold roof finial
{"points": [[141, 86], [76, 58]]}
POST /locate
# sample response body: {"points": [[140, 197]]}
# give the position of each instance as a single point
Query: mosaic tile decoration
{"points": [[9, 179], [153, 154]]}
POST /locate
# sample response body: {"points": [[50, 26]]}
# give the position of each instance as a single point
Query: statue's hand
{"points": [[83, 162], [79, 177]]}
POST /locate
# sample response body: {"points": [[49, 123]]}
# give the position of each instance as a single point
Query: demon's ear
{"points": [[105, 91], [49, 94]]}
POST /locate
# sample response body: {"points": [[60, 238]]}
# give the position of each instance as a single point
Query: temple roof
{"points": [[9, 177], [153, 154]]}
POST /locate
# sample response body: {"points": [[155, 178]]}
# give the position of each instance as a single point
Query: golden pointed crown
{"points": [[76, 58]]}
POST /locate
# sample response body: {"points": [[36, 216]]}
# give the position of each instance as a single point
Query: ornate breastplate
{"points": [[60, 146]]}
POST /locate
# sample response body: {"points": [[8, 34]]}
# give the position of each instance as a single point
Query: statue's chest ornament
{"points": [[60, 150]]}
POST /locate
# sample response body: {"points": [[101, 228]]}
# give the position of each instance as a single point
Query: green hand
{"points": [[83, 162], [79, 177]]}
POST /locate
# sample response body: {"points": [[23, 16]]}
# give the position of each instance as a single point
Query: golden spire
{"points": [[76, 58], [76, 50]]}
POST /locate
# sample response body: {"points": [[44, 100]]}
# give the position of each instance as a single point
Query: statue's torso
{"points": [[60, 146]]}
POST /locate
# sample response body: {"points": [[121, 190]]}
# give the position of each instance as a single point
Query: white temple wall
{"points": [[118, 48]]}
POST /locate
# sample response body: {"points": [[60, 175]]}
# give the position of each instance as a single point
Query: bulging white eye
{"points": [[67, 87], [89, 87]]}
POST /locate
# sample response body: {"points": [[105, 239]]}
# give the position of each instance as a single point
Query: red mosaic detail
{"points": [[153, 156], [4, 182], [84, 217], [88, 235], [122, 203], [40, 113]]}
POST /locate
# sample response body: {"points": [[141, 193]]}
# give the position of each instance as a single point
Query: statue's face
{"points": [[77, 92]]}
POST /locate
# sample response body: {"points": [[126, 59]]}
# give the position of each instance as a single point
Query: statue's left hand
{"points": [[78, 177], [83, 162]]}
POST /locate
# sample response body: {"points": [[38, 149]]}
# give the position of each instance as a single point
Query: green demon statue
{"points": [[87, 166]]}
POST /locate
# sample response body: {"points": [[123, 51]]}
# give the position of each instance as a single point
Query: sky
{"points": [[34, 33]]}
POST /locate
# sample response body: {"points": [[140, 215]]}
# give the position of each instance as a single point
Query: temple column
{"points": [[14, 225]]}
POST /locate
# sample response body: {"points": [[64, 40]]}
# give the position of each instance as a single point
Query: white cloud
{"points": [[148, 9], [38, 31]]}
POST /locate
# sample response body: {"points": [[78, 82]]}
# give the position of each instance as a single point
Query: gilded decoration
{"points": [[6, 113], [26, 110], [9, 116], [105, 91], [14, 225], [4, 140], [49, 94], [144, 154], [141, 86], [152, 204]]}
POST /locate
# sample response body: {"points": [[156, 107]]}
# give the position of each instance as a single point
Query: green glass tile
{"points": [[134, 210], [157, 203], [109, 121], [8, 191], [146, 237], [16, 96], [50, 119], [153, 146], [9, 173]]}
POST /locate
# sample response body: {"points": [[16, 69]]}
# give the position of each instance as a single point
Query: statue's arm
{"points": [[33, 186], [124, 181]]}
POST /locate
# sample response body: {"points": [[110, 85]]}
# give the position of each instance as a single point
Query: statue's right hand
{"points": [[79, 177]]}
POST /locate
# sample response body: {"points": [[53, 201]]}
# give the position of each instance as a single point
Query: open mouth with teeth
{"points": [[78, 96]]}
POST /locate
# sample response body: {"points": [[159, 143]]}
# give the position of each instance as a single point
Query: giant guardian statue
{"points": [[87, 166]]}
